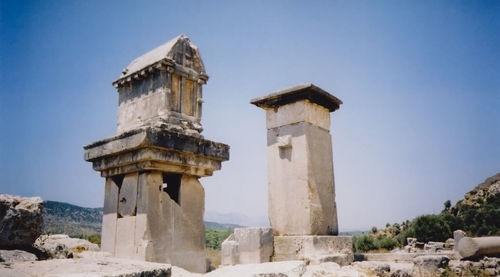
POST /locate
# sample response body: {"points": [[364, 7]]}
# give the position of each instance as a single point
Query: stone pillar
{"points": [[154, 202], [302, 209], [299, 161], [470, 247]]}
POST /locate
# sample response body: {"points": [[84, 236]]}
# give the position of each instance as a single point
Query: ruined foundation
{"points": [[154, 203]]}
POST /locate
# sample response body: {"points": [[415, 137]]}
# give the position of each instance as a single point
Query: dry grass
{"points": [[214, 256]]}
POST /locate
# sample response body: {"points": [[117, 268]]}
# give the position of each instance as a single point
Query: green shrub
{"points": [[95, 239], [430, 228], [364, 243], [215, 237], [386, 243]]}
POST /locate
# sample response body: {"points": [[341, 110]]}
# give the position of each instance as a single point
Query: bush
{"points": [[363, 243], [95, 239], [386, 243], [430, 228]]}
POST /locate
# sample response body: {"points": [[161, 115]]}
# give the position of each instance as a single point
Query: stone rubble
{"points": [[14, 256], [62, 246], [20, 221]]}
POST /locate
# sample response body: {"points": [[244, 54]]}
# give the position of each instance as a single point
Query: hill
{"points": [[76, 221], [478, 214], [59, 217]]}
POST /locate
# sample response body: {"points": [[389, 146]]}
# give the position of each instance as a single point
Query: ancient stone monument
{"points": [[154, 203], [302, 209]]}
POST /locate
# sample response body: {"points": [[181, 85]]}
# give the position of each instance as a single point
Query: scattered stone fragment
{"points": [[75, 244], [430, 263], [20, 221], [14, 256], [52, 248]]}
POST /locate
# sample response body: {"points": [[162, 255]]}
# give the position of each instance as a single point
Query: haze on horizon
{"points": [[420, 123]]}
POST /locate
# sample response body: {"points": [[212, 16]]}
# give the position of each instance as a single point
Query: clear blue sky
{"points": [[420, 82]]}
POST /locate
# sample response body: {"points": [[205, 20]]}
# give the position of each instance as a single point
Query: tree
{"points": [[430, 228], [374, 229], [447, 205]]}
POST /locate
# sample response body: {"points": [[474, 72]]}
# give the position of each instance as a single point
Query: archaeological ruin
{"points": [[301, 188], [154, 202]]}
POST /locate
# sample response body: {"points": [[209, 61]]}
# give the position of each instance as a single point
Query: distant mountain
{"points": [[220, 226], [237, 218], [60, 217]]}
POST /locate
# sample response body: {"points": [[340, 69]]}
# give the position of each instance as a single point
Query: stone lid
{"points": [[158, 59], [296, 93]]}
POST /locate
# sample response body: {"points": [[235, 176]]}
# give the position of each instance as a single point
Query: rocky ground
{"points": [[89, 263], [24, 252]]}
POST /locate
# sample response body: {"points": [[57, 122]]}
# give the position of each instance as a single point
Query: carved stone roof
{"points": [[296, 93], [159, 59]]}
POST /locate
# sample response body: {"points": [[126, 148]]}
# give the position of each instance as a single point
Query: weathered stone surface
{"points": [[300, 163], [95, 267], [110, 216], [297, 93], [156, 149], [20, 220], [402, 256], [255, 244], [341, 259], [164, 229], [470, 247], [288, 248], [301, 186], [457, 236], [430, 263], [75, 244], [324, 269], [230, 253], [302, 111], [277, 269], [53, 248], [15, 256], [154, 203], [127, 199], [163, 87]]}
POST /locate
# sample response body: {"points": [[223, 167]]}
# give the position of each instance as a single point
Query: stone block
{"points": [[301, 111], [255, 244], [167, 231], [20, 220], [430, 263], [301, 183], [109, 217], [127, 198], [288, 248], [125, 233], [16, 256], [230, 253]]}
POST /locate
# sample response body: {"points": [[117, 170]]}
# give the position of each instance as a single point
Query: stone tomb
{"points": [[154, 202], [302, 209]]}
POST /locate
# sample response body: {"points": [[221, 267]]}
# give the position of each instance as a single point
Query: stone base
{"points": [[314, 249], [248, 246]]}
